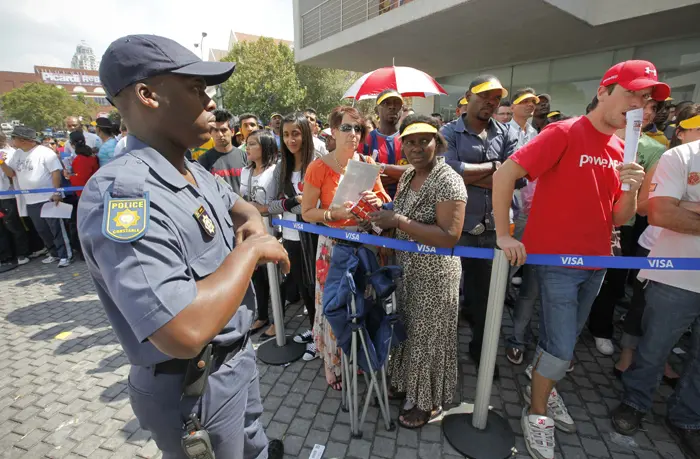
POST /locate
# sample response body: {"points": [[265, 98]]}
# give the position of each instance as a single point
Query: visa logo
{"points": [[426, 249], [298, 226], [660, 263], [352, 237], [572, 261]]}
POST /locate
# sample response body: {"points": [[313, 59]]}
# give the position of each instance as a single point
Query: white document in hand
{"points": [[51, 210], [359, 177]]}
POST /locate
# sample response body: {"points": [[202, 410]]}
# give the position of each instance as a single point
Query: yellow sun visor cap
{"points": [[463, 101], [418, 128], [488, 86], [551, 114], [525, 97], [389, 95], [691, 123]]}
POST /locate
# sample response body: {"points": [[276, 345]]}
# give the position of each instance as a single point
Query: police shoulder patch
{"points": [[125, 219]]}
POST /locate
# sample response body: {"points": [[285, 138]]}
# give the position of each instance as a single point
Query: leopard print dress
{"points": [[425, 365]]}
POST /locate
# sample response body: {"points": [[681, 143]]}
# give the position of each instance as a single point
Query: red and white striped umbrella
{"points": [[409, 82]]}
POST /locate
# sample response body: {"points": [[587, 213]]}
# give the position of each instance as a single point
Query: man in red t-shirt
{"points": [[578, 165]]}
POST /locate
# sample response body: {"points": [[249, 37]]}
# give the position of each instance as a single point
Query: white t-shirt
{"points": [[121, 144], [260, 189], [34, 169], [320, 146], [91, 140], [288, 233], [677, 176], [649, 236], [5, 181]]}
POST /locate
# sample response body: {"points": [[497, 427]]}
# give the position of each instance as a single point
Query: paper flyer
{"points": [[359, 177]]}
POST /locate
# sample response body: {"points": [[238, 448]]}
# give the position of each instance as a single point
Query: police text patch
{"points": [[125, 219]]}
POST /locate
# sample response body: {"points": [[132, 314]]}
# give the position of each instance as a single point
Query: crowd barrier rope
{"points": [[677, 264], [566, 260], [41, 190]]}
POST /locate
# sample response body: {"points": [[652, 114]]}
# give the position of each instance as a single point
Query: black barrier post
{"points": [[484, 434], [281, 350]]}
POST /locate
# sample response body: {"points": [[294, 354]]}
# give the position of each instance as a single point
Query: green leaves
{"points": [[268, 81], [40, 105]]}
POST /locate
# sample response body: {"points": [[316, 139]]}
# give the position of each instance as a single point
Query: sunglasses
{"points": [[351, 127]]}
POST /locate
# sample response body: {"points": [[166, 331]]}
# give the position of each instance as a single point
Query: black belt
{"points": [[222, 354]]}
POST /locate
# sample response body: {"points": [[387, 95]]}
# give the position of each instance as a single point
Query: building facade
{"points": [[84, 58], [561, 47]]}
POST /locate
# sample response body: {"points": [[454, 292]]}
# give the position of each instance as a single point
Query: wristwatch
{"points": [[382, 168]]}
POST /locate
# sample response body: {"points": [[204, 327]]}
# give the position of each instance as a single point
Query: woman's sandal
{"points": [[337, 385], [415, 418], [257, 329]]}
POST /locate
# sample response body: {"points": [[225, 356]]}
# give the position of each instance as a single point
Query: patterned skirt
{"points": [[324, 338]]}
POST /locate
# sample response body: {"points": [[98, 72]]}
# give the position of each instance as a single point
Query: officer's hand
{"points": [[269, 250], [252, 227], [514, 250]]}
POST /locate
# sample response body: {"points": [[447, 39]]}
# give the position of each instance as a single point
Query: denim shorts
{"points": [[567, 295]]}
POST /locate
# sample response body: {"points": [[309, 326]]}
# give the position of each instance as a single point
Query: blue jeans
{"points": [[524, 306], [567, 296], [668, 314]]}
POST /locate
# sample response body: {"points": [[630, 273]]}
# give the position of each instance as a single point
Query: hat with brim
{"points": [[545, 96], [691, 123], [418, 128], [274, 115], [389, 95], [462, 102], [660, 91], [554, 113], [103, 123], [213, 72], [525, 97], [24, 132], [636, 75], [480, 85]]}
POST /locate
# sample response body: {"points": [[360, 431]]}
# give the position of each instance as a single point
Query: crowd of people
{"points": [[507, 173]]}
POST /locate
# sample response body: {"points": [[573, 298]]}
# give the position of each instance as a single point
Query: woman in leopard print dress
{"points": [[428, 209]]}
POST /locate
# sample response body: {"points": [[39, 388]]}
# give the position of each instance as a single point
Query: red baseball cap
{"points": [[637, 75]]}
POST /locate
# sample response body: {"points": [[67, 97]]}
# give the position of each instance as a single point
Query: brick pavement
{"points": [[63, 391]]}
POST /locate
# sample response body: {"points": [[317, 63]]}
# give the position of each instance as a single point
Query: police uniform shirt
{"points": [[178, 234]]}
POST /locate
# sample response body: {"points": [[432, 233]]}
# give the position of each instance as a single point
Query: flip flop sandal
{"points": [[255, 330], [337, 385], [415, 418]]}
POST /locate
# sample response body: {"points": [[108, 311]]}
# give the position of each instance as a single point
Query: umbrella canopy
{"points": [[409, 82]]}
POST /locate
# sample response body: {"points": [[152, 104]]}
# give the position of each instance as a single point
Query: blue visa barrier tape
{"points": [[41, 190], [574, 261]]}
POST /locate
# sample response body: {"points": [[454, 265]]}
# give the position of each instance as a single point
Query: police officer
{"points": [[172, 250]]}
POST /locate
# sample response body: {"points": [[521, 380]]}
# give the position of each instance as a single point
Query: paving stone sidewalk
{"points": [[63, 389]]}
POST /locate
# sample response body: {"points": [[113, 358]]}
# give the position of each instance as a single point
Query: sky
{"points": [[46, 32]]}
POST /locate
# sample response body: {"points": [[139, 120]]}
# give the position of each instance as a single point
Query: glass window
{"points": [[572, 98], [585, 67], [678, 63]]}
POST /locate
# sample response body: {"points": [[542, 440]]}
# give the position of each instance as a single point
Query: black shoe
{"points": [[275, 449], [626, 420], [689, 439]]}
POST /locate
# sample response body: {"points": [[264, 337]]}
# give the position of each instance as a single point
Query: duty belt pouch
{"points": [[197, 375]]}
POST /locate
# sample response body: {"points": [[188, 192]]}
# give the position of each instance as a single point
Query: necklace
{"points": [[337, 163]]}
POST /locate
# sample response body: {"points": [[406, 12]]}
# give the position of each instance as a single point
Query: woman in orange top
{"points": [[320, 183]]}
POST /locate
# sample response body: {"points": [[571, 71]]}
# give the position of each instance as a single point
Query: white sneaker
{"points": [[49, 259], [64, 262], [556, 410], [604, 346], [310, 352], [517, 281], [306, 311], [304, 338], [22, 260], [539, 435]]}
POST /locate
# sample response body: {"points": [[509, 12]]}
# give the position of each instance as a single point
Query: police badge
{"points": [[205, 221]]}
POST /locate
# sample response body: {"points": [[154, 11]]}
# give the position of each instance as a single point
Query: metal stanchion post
{"points": [[484, 434], [282, 350]]}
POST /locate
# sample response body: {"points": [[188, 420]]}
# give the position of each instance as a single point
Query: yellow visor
{"points": [[488, 86], [418, 128], [691, 123], [551, 114], [463, 101], [669, 98], [526, 97], [388, 95]]}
